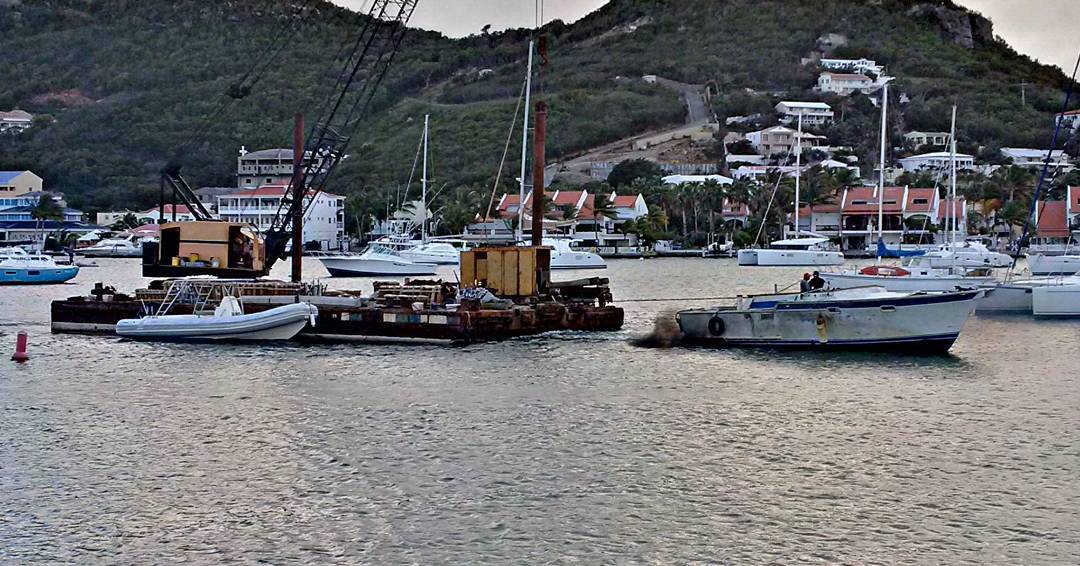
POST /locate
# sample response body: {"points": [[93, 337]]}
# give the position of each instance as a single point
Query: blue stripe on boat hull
{"points": [[934, 344]]}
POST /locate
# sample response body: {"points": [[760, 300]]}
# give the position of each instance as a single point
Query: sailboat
{"points": [[385, 256], [920, 274], [809, 250]]}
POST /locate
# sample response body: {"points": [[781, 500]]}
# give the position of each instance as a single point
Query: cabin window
{"points": [[33, 273]]}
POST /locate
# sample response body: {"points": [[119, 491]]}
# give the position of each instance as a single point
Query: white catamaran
{"points": [[812, 250]]}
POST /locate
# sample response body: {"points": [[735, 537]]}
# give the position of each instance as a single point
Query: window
{"points": [[920, 201]]}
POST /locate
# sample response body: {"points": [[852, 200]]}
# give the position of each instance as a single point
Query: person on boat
{"points": [[804, 285], [816, 282]]}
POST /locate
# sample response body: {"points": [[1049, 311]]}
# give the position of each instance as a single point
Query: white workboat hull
{"points": [[1040, 264], [924, 323], [1056, 300], [789, 258], [357, 266], [280, 323], [905, 283]]}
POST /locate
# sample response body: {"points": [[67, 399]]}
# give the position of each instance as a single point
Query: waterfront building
{"points": [[324, 221], [1071, 119]]}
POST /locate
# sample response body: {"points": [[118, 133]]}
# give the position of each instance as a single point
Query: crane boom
{"points": [[380, 37]]}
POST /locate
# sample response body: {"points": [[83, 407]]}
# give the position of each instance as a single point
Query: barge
{"points": [[509, 294]]}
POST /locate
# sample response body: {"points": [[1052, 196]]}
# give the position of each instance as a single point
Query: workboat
{"points": [[807, 251], [113, 248], [868, 318], [17, 267], [1043, 264], [227, 322], [377, 259], [1016, 297]]}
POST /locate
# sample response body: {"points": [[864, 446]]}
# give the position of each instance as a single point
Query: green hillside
{"points": [[123, 86]]}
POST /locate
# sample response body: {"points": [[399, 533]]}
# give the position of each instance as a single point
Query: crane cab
{"points": [[221, 249]]}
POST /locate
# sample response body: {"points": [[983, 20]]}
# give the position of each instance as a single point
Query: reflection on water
{"points": [[560, 448]]}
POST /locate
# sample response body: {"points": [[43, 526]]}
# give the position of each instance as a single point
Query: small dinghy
{"points": [[228, 322]]}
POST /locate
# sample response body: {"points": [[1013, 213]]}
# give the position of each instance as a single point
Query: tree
{"points": [[626, 172], [602, 206]]}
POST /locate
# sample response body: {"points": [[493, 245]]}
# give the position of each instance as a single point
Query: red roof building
{"points": [[1051, 220]]}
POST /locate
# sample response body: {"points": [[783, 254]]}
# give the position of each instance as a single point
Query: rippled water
{"points": [[556, 449]]}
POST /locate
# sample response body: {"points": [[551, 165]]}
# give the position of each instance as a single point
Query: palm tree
{"points": [[1013, 179], [602, 206], [46, 209]]}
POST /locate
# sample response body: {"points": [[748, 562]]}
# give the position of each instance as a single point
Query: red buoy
{"points": [[20, 348]]}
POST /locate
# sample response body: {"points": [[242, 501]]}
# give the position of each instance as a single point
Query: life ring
{"points": [[716, 326]]}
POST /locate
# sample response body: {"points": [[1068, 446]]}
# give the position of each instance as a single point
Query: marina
{"points": [[263, 432], [736, 312]]}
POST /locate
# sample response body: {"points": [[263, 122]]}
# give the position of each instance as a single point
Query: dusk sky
{"points": [[1048, 30]]}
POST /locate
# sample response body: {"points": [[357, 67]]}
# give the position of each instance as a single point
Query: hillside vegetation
{"points": [[123, 86]]}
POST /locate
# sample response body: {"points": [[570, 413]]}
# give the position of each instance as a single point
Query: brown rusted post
{"points": [[539, 135], [298, 198]]}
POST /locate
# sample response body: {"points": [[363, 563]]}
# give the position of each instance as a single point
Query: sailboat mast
{"points": [[952, 181], [798, 172], [423, 186], [881, 177], [520, 232]]}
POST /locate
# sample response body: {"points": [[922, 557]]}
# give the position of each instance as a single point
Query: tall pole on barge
{"points": [[539, 135], [298, 197], [520, 235]]}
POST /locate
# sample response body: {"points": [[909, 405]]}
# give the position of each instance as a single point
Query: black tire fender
{"points": [[716, 326]]}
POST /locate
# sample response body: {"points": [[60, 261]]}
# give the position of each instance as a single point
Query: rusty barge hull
{"points": [[371, 323]]}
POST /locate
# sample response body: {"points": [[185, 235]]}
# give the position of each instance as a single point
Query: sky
{"points": [[1047, 30]]}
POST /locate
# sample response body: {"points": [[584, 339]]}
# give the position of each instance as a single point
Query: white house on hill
{"points": [[813, 113], [936, 161], [845, 84], [927, 138]]}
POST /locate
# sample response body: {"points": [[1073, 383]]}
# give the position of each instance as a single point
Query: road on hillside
{"points": [[696, 110]]}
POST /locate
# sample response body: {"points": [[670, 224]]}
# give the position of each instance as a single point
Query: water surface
{"points": [[564, 448]]}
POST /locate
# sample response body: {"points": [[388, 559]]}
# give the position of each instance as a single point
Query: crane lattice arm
{"points": [[380, 37]]}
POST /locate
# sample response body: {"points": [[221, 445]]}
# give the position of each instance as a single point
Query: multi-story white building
{"points": [[845, 84], [264, 167], [15, 121], [813, 113], [781, 139], [936, 161], [927, 138], [1027, 157], [323, 223], [852, 65]]}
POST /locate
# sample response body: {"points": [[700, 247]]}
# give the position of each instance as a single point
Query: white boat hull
{"points": [[577, 260], [1040, 264], [913, 282], [790, 258], [918, 323], [947, 260], [1005, 298], [1056, 300], [431, 258], [280, 323], [365, 267]]}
